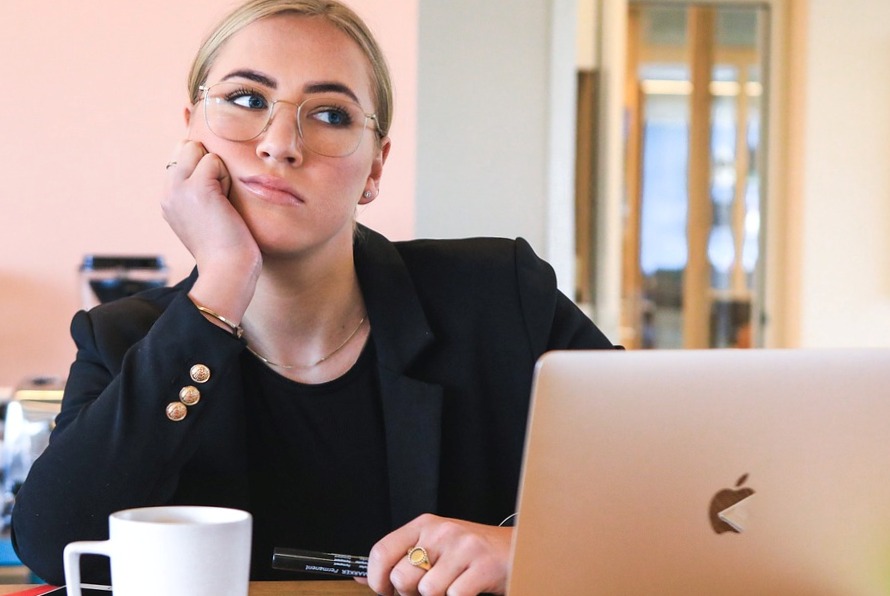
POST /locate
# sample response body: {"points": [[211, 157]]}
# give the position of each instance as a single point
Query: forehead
{"points": [[295, 50]]}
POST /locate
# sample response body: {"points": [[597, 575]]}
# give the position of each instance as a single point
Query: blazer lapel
{"points": [[411, 414], [412, 409]]}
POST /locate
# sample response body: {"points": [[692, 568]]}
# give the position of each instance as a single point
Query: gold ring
{"points": [[417, 556], [169, 165]]}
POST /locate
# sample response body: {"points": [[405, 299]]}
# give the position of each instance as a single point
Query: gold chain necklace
{"points": [[292, 366]]}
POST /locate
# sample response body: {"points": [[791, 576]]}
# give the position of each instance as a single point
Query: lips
{"points": [[272, 189]]}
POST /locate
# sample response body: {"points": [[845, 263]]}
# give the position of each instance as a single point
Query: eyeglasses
{"points": [[329, 126]]}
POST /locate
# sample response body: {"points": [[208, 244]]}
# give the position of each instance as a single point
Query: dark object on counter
{"points": [[108, 277]]}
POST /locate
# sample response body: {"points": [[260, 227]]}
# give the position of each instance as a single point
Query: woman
{"points": [[355, 395]]}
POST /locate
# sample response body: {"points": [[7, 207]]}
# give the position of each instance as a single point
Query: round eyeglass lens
{"points": [[235, 111], [331, 126]]}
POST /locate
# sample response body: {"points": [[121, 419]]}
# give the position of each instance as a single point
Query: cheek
{"points": [[197, 129], [225, 150], [357, 167], [340, 175], [352, 178], [198, 132]]}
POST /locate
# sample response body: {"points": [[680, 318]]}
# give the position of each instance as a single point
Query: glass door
{"points": [[694, 193]]}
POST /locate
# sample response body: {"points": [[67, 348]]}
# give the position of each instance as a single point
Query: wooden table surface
{"points": [[322, 588]]}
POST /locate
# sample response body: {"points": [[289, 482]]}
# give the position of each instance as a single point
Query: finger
{"points": [[174, 157], [405, 578], [211, 167], [442, 576], [390, 551], [199, 181], [472, 568], [184, 160], [212, 170], [413, 569], [473, 580]]}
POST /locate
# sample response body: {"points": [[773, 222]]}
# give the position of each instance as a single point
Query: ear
{"points": [[373, 184], [187, 113]]}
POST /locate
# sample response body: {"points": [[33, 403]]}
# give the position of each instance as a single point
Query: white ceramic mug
{"points": [[174, 551]]}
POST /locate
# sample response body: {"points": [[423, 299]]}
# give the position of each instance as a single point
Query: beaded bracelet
{"points": [[236, 329]]}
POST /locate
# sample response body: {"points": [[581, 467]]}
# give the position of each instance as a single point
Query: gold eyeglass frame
{"points": [[299, 106]]}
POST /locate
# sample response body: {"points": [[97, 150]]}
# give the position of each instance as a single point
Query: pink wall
{"points": [[90, 113]]}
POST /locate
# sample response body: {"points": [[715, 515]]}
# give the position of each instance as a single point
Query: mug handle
{"points": [[72, 561]]}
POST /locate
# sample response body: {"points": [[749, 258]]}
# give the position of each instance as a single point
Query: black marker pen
{"points": [[292, 559]]}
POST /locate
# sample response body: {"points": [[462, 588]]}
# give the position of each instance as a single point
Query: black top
{"points": [[458, 326], [309, 487]]}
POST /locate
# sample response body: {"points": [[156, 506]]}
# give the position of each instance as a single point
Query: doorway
{"points": [[694, 142]]}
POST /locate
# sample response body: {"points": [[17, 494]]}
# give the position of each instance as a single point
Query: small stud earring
{"points": [[367, 194]]}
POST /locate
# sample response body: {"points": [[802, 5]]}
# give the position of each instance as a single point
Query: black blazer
{"points": [[457, 326]]}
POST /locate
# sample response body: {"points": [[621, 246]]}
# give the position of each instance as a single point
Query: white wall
{"points": [[483, 88], [845, 288]]}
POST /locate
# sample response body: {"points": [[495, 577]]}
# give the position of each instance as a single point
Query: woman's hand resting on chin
{"points": [[196, 206]]}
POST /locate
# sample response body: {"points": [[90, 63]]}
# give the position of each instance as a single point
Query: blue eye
{"points": [[247, 98], [332, 116]]}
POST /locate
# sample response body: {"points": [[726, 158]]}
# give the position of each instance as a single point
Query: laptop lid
{"points": [[706, 472]]}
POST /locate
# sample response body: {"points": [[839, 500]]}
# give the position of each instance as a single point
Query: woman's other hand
{"points": [[465, 559]]}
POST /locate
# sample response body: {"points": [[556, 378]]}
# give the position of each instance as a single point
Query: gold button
{"points": [[199, 373], [189, 395], [176, 411]]}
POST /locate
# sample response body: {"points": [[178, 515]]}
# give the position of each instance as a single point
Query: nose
{"points": [[281, 139]]}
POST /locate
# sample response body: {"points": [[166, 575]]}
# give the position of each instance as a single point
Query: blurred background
{"points": [[699, 174]]}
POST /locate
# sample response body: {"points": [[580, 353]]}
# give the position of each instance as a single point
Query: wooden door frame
{"points": [[779, 254]]}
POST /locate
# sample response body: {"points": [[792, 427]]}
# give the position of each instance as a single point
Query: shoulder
{"points": [[434, 267], [489, 285], [484, 261], [456, 275], [125, 320]]}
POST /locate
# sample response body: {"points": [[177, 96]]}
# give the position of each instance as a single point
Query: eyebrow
{"points": [[315, 87], [252, 75], [330, 87]]}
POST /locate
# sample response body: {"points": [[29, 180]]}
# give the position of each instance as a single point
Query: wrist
{"points": [[221, 303], [226, 285], [220, 321]]}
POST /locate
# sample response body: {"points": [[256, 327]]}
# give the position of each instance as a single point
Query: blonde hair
{"points": [[336, 13]]}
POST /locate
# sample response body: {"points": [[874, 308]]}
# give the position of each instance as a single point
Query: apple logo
{"points": [[727, 499]]}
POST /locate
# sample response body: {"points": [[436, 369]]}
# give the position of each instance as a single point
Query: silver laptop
{"points": [[706, 472]]}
